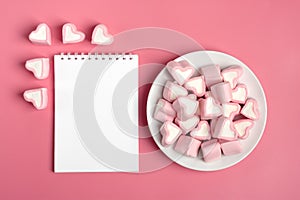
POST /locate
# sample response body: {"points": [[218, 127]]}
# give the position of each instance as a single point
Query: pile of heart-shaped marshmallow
{"points": [[207, 113]]}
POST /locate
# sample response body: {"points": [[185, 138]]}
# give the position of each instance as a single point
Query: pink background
{"points": [[263, 34]]}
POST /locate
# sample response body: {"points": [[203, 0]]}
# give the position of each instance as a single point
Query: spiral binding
{"points": [[95, 56]]}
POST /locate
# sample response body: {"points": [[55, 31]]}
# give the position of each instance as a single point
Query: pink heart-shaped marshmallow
{"points": [[170, 133], [242, 127], [70, 34], [38, 97], [202, 131], [250, 109], [180, 71], [232, 74], [41, 35]]}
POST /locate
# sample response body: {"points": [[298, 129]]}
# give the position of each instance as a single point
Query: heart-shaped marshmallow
{"points": [[170, 133], [164, 111], [209, 108], [202, 131], [239, 94], [185, 107], [188, 146], [230, 110], [188, 124], [38, 97], [231, 148], [250, 109], [196, 85], [70, 34], [222, 92], [242, 127], [172, 91], [180, 71], [101, 36], [224, 129], [232, 74], [211, 150], [39, 67], [212, 74], [41, 35]]}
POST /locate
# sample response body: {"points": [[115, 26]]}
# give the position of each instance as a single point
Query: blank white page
{"points": [[96, 113]]}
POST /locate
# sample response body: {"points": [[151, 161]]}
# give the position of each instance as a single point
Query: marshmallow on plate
{"points": [[212, 74], [209, 108], [39, 67], [224, 129], [41, 35], [239, 94], [222, 92], [211, 150], [231, 148], [188, 124], [70, 34], [242, 127], [180, 71], [101, 36], [185, 107], [170, 133], [232, 75], [196, 85], [202, 131], [230, 110], [188, 146], [250, 109], [172, 91], [164, 111], [38, 97]]}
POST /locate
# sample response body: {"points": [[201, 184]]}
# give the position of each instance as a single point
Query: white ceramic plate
{"points": [[199, 59]]}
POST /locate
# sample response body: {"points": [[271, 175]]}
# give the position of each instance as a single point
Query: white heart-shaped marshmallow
{"points": [[101, 36], [38, 97], [180, 71], [209, 109], [70, 34], [232, 74], [202, 131], [39, 67], [170, 133], [239, 94], [185, 107], [188, 124], [164, 111], [224, 129], [172, 91], [230, 110], [196, 85], [242, 127], [250, 109], [41, 35]]}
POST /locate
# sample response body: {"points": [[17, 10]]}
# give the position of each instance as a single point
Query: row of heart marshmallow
{"points": [[207, 108], [70, 34], [211, 150], [224, 132], [221, 128]]}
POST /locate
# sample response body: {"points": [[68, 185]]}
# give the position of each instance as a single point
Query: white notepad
{"points": [[96, 113]]}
